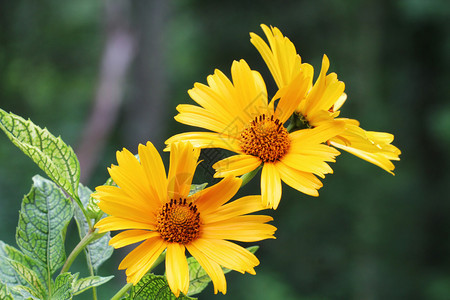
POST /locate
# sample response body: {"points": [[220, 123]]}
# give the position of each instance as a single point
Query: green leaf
{"points": [[50, 153], [8, 274], [4, 292], [153, 287], [25, 293], [33, 284], [199, 279], [84, 284], [62, 288], [195, 188], [99, 250], [43, 220]]}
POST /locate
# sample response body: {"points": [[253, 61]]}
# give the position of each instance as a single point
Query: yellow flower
{"points": [[159, 211], [321, 104], [244, 122]]}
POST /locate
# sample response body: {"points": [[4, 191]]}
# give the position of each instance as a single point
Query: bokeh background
{"points": [[109, 74]]}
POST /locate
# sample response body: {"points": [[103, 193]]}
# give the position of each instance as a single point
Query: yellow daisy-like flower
{"points": [[158, 210], [244, 122], [321, 104]]}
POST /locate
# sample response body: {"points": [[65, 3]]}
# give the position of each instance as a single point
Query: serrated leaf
{"points": [[62, 288], [153, 286], [4, 292], [195, 188], [24, 293], [33, 284], [50, 153], [43, 220], [99, 250], [199, 279], [86, 283], [7, 273]]}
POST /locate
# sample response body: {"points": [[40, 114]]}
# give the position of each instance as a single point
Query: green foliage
{"points": [[62, 288], [86, 283], [8, 274], [98, 251], [199, 279], [51, 154], [4, 293], [153, 287], [43, 220], [28, 273]]}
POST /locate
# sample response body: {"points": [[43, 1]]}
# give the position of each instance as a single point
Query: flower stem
{"points": [[92, 235], [248, 176], [122, 291], [127, 286]]}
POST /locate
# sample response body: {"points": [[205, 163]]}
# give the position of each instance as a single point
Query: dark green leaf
{"points": [[83, 284], [43, 220], [62, 288], [99, 250], [24, 293], [33, 285], [51, 154], [8, 274], [199, 279], [153, 287], [4, 292]]}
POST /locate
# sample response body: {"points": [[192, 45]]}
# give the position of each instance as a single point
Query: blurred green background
{"points": [[109, 74]]}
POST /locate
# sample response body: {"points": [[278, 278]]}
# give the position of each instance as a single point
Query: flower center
{"points": [[178, 222], [265, 138]]}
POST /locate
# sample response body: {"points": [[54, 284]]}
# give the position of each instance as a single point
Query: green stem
{"points": [[92, 235], [92, 273], [122, 291], [83, 210], [248, 176], [128, 286]]}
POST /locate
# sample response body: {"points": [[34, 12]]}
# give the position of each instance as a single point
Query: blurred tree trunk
{"points": [[145, 114], [116, 58]]}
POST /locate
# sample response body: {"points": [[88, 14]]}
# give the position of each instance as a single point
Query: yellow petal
{"points": [[140, 260], [225, 140], [213, 197], [199, 117], [212, 268], [117, 206], [314, 96], [214, 98], [339, 102], [236, 165], [270, 186], [241, 206], [107, 194], [130, 177], [325, 152], [242, 228], [177, 270], [307, 163], [138, 256], [227, 254], [117, 223], [183, 161], [251, 93], [129, 237], [316, 135], [154, 170], [371, 146], [293, 94], [302, 181], [281, 58]]}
